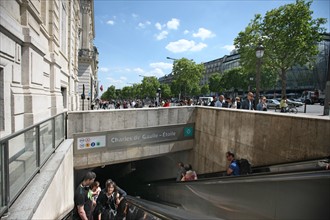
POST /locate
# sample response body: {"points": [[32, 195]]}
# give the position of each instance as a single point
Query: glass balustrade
{"points": [[22, 160], [23, 153]]}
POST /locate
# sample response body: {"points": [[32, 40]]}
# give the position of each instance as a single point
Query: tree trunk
{"points": [[283, 82]]}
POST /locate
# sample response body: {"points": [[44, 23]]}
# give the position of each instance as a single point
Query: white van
{"points": [[206, 100]]}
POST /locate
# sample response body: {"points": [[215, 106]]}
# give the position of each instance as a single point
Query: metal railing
{"points": [[23, 153]]}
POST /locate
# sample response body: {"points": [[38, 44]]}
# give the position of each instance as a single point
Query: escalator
{"points": [[144, 209], [292, 191]]}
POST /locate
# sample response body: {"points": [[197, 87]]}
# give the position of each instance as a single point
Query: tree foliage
{"points": [[205, 90], [137, 91], [234, 79], [109, 94], [149, 86], [127, 92], [187, 75], [215, 83], [166, 91], [289, 35]]}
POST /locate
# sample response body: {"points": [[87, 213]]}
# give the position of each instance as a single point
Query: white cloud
{"points": [[135, 15], [183, 45], [161, 65], [158, 26], [162, 35], [229, 47], [123, 78], [198, 47], [103, 69], [173, 24], [203, 33], [144, 25], [111, 22], [157, 72], [186, 32], [117, 82], [138, 70]]}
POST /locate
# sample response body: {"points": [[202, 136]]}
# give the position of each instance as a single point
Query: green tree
{"points": [[166, 92], [205, 90], [149, 86], [187, 75], [289, 35], [126, 92], [196, 91], [118, 94], [234, 79], [137, 91], [109, 94], [215, 83]]}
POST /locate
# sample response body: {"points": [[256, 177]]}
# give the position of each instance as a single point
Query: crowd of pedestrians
{"points": [[220, 102], [236, 103]]}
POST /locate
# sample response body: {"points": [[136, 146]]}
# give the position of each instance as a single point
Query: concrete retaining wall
{"points": [[261, 137], [110, 120], [107, 120]]}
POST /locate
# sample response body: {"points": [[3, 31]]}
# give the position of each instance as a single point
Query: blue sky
{"points": [[134, 37]]}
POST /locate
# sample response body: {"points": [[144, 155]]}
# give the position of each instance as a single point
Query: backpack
{"points": [[244, 166]]}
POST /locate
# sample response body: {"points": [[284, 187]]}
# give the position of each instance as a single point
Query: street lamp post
{"points": [[83, 97], [170, 58], [158, 96], [259, 55]]}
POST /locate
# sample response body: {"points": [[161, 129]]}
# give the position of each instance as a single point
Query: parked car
{"points": [[311, 97], [273, 103], [295, 103]]}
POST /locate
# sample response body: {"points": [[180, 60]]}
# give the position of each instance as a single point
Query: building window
{"points": [[64, 96], [2, 106]]}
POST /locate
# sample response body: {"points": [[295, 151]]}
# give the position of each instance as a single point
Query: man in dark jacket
{"points": [[82, 199], [248, 103]]}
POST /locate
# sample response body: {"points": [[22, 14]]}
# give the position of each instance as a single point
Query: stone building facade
{"points": [[40, 42], [87, 57]]}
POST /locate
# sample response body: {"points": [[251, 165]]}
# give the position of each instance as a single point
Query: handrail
{"points": [[161, 210], [10, 136], [23, 154], [166, 216], [137, 207]]}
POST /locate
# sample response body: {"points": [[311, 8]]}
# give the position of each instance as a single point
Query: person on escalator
{"points": [[233, 169], [107, 202], [181, 171], [190, 173], [83, 200]]}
